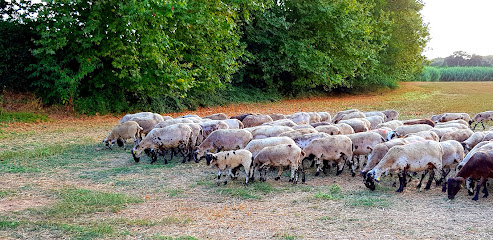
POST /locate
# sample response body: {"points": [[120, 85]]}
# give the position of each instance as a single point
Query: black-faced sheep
{"points": [[232, 161], [283, 155], [481, 118], [223, 140], [453, 154], [123, 131]]}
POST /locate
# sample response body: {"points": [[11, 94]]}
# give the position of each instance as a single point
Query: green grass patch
{"points": [[9, 224], [286, 236], [161, 237], [4, 194], [27, 117], [368, 199], [333, 192], [255, 190], [82, 201]]}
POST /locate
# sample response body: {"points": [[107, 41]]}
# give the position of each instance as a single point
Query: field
{"points": [[58, 181]]}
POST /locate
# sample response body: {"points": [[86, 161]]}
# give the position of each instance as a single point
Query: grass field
{"points": [[58, 181]]}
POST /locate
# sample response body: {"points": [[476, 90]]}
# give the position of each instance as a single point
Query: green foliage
{"points": [[429, 74], [334, 192], [27, 117], [466, 74]]}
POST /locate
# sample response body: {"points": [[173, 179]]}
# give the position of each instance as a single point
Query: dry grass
{"points": [[183, 200]]}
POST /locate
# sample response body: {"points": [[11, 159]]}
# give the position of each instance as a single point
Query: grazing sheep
{"points": [[363, 144], [346, 129], [314, 117], [413, 157], [393, 124], [371, 114], [391, 115], [298, 133], [277, 116], [482, 146], [403, 130], [428, 135], [223, 140], [442, 131], [211, 126], [476, 138], [302, 126], [324, 116], [459, 135], [336, 149], [283, 155], [269, 131], [142, 115], [453, 154], [299, 117], [454, 116], [241, 116], [147, 123], [353, 115], [281, 122], [231, 160], [234, 123], [172, 121], [374, 121], [451, 125], [419, 121], [256, 145], [217, 116], [256, 120], [383, 131], [480, 166], [304, 140], [123, 131], [329, 129], [358, 124], [379, 152], [168, 138], [481, 118], [338, 117]]}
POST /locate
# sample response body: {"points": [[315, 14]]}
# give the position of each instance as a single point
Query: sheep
{"points": [[454, 116], [414, 157], [256, 120], [358, 124], [217, 116], [299, 117], [453, 154], [436, 118], [339, 115], [476, 138], [353, 115], [482, 146], [481, 118], [391, 115], [314, 117], [223, 140], [455, 121], [256, 145], [451, 125], [337, 149], [281, 122], [231, 160], [167, 138], [324, 116], [384, 131], [371, 114], [442, 131], [406, 129], [374, 121], [196, 119], [150, 115], [269, 131], [480, 166], [321, 124], [302, 126], [241, 116], [211, 126], [123, 131], [280, 156], [147, 123], [234, 123], [345, 128], [419, 121], [363, 144], [172, 121], [329, 129], [459, 135], [298, 133], [428, 135], [277, 116], [378, 153], [304, 140], [393, 124]]}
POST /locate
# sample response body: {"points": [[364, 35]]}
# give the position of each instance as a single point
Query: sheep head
{"points": [[454, 185], [210, 158]]}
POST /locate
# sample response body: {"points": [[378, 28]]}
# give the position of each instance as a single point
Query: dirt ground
{"points": [[184, 200]]}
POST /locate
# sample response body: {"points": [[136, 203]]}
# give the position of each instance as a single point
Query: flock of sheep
{"points": [[376, 141]]}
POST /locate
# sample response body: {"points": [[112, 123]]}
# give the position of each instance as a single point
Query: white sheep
{"points": [[358, 124], [223, 140], [256, 145], [256, 120], [353, 115], [329, 129], [298, 133], [314, 117], [283, 155], [217, 116], [451, 125], [413, 157], [150, 115], [454, 116], [453, 154], [346, 129], [280, 122], [428, 135], [231, 161], [363, 144], [374, 121], [303, 140], [403, 130], [324, 116], [379, 152], [442, 131], [277, 116], [459, 135], [476, 138], [376, 113], [211, 126], [234, 123], [299, 118], [336, 149], [269, 131], [391, 115], [393, 124], [339, 115], [302, 126], [172, 121], [383, 131], [123, 131], [481, 118]]}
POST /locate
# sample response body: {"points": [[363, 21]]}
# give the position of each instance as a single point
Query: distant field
{"points": [[58, 181]]}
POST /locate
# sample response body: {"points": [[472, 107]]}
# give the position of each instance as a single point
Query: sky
{"points": [[458, 25]]}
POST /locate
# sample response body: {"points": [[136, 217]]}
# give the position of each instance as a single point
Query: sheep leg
{"points": [[353, 165], [294, 175], [317, 161], [485, 190], [402, 181], [430, 180], [279, 174], [444, 176], [478, 188], [218, 178], [470, 186], [422, 178], [154, 156]]}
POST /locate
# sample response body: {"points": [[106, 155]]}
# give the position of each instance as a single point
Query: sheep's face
{"points": [[368, 180], [136, 152], [210, 159], [453, 186], [391, 135]]}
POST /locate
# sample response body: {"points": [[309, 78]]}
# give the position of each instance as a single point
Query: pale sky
{"points": [[458, 25]]}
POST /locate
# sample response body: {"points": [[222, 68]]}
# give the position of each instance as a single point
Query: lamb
{"points": [[345, 128], [234, 123], [391, 115], [476, 138], [231, 160], [172, 121], [277, 116], [428, 135], [454, 116], [393, 124], [298, 133], [338, 117], [324, 116], [337, 149], [211, 126], [363, 144], [314, 117], [480, 166], [123, 131], [453, 154], [223, 140], [299, 117], [280, 156], [358, 124], [407, 129], [481, 118], [256, 120], [329, 129], [414, 157], [256, 145], [374, 121], [419, 121], [269, 131], [150, 115], [459, 135], [167, 138], [217, 116], [281, 122]]}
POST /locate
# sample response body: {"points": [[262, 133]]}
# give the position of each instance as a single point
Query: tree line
{"points": [[113, 56]]}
